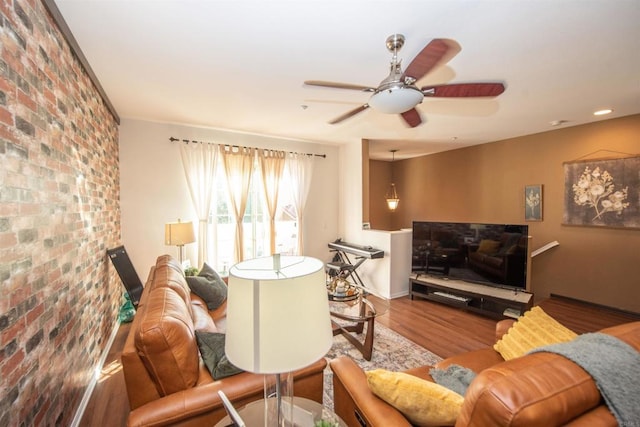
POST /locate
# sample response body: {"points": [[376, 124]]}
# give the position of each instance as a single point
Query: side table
{"points": [[253, 414]]}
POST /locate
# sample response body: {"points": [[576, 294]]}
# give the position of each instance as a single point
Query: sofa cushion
{"points": [[533, 329], [166, 342], [211, 347], [202, 321], [509, 243], [423, 403], [209, 286], [169, 274], [493, 261], [476, 360], [488, 246]]}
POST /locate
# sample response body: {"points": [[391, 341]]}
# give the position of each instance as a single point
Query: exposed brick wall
{"points": [[59, 212]]}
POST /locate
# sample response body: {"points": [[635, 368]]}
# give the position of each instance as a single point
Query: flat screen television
{"points": [[490, 254]]}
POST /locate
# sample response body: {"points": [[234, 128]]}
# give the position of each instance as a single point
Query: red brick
{"points": [[33, 315], [27, 101], [30, 208], [6, 117], [8, 240], [13, 362], [11, 333]]}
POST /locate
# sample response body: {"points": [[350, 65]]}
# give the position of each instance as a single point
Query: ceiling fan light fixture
{"points": [[396, 100]]}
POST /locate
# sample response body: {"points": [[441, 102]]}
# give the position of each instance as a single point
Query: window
{"points": [[255, 222]]}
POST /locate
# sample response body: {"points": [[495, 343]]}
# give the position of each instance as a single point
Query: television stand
{"points": [[487, 300]]}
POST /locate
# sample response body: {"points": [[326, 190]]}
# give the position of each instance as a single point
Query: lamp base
{"points": [[278, 400]]}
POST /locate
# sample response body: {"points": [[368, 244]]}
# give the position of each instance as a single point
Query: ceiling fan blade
{"points": [[339, 85], [412, 117], [434, 53], [463, 90], [349, 114]]}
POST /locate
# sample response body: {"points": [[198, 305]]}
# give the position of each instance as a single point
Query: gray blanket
{"points": [[455, 377], [615, 368]]}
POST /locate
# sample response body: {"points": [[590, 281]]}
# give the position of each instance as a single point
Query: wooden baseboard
{"points": [[95, 377]]}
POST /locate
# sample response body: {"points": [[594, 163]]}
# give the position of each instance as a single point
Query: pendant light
{"points": [[392, 195]]}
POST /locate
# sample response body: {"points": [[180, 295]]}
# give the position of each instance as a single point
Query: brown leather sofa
{"points": [[505, 263], [540, 389], [167, 381]]}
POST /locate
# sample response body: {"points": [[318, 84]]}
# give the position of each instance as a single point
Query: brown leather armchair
{"points": [[540, 389]]}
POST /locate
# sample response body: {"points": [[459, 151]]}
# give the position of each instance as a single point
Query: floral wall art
{"points": [[603, 193], [533, 202]]}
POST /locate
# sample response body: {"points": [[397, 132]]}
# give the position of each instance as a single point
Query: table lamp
{"points": [[179, 234], [277, 322]]}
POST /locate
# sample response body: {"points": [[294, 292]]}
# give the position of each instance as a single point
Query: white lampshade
{"points": [[396, 99], [277, 314], [178, 233]]}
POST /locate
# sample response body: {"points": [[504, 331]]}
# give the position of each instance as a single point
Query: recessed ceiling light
{"points": [[603, 112], [558, 122]]}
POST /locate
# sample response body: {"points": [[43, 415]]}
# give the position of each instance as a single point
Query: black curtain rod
{"points": [[172, 139]]}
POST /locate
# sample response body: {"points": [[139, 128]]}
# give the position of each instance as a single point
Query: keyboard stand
{"points": [[344, 268]]}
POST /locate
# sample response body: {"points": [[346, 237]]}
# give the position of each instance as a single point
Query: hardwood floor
{"points": [[441, 329], [109, 404]]}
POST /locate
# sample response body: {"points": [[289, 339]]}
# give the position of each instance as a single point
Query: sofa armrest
{"points": [[201, 405], [195, 406], [536, 389], [355, 403]]}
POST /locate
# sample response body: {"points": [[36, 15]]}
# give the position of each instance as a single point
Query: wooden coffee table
{"points": [[355, 314]]}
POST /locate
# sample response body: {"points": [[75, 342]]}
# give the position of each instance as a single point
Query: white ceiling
{"points": [[240, 64]]}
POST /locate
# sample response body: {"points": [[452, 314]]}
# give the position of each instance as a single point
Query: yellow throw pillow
{"points": [[423, 403], [488, 246], [533, 329]]}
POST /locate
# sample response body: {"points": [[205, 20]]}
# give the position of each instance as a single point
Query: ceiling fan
{"points": [[398, 94]]}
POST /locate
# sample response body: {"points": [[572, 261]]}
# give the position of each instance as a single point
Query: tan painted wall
{"points": [[486, 183], [379, 178]]}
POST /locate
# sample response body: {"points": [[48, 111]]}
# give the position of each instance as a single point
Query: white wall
{"points": [[153, 189], [389, 276]]}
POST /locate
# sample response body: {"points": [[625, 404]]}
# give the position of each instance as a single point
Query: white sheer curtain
{"points": [[272, 167], [300, 167], [238, 166], [199, 161]]}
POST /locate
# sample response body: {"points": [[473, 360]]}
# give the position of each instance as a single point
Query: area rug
{"points": [[391, 351]]}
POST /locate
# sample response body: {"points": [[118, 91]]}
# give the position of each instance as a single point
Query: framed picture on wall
{"points": [[533, 202], [602, 192]]}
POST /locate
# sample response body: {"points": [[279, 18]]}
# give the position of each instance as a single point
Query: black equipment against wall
{"points": [[127, 273]]}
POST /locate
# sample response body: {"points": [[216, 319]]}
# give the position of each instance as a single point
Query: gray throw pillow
{"points": [[211, 345], [209, 286]]}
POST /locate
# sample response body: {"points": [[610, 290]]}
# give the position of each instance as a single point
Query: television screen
{"points": [[493, 254]]}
